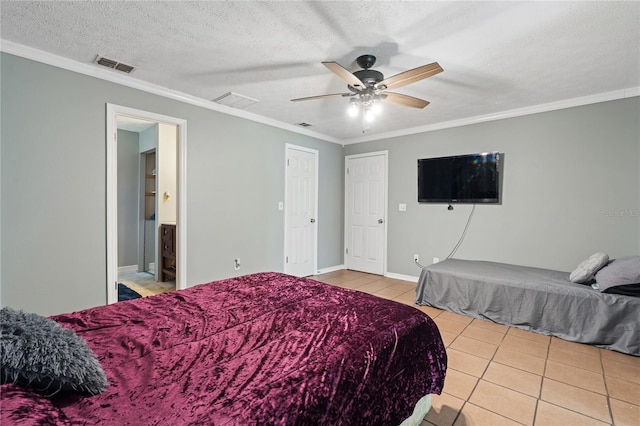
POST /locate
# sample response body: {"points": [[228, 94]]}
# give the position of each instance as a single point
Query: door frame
{"points": [[316, 155], [113, 111], [385, 154]]}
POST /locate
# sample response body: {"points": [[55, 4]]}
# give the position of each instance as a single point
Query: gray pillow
{"points": [[39, 353], [586, 270], [619, 272]]}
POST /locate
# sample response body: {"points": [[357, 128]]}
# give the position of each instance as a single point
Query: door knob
{"points": [[380, 220], [312, 220]]}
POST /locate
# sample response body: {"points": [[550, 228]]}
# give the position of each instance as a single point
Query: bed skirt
{"points": [[419, 412]]}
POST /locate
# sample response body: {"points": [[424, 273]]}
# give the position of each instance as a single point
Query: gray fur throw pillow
{"points": [[39, 353]]}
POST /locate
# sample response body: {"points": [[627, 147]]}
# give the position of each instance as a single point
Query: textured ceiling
{"points": [[497, 56]]}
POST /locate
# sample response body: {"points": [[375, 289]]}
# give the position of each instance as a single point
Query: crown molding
{"points": [[93, 70], [96, 71], [552, 106]]}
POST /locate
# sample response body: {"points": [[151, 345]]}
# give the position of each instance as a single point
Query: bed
{"points": [[265, 348], [536, 299]]}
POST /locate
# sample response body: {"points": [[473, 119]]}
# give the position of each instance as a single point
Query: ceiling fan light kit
{"points": [[368, 87], [354, 107]]}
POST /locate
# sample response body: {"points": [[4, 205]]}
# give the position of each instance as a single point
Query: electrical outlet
{"points": [[416, 258], [236, 263], [436, 259]]}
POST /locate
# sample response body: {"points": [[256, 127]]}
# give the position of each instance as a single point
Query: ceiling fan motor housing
{"points": [[369, 77]]}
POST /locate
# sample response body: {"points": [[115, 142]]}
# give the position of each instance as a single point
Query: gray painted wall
{"points": [[128, 197], [53, 188], [149, 138], [569, 177]]}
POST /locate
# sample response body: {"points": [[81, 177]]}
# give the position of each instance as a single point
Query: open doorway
{"points": [[146, 203]]}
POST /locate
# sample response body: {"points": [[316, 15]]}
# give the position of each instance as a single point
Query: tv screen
{"points": [[472, 178]]}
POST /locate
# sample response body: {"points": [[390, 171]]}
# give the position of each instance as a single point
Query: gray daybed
{"points": [[534, 299]]}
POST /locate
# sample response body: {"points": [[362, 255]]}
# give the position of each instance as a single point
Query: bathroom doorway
{"points": [[146, 169]]}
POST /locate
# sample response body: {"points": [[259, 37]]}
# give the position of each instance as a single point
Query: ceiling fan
{"points": [[367, 87]]}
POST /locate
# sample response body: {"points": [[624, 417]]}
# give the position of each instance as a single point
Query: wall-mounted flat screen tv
{"points": [[471, 178]]}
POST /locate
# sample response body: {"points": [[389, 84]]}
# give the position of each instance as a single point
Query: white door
{"points": [[301, 211], [365, 203]]}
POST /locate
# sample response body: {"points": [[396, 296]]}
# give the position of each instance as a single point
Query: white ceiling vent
{"points": [[110, 63], [235, 101]]}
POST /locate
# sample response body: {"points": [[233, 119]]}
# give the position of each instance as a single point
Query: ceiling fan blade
{"points": [[410, 76], [404, 100], [330, 95], [345, 74]]}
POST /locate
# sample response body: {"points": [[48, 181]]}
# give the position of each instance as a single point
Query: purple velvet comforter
{"points": [[263, 349]]}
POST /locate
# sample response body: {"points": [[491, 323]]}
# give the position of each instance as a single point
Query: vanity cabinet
{"points": [[167, 252]]}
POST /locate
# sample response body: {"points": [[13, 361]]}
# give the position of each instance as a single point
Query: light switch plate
{"points": [[280, 205], [402, 207]]}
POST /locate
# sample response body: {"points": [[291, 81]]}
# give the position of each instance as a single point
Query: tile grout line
{"points": [[544, 371], [511, 390], [466, 401], [606, 387], [578, 387], [474, 387]]}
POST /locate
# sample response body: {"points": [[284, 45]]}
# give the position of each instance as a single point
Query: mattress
{"points": [[265, 348], [536, 299]]}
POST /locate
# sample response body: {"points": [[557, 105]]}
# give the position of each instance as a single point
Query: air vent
{"points": [[124, 67], [304, 124], [235, 100], [110, 63]]}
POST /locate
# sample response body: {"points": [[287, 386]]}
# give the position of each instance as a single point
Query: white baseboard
{"points": [[330, 269], [388, 274], [130, 269], [402, 277]]}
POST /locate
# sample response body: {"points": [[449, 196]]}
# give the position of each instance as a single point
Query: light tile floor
{"points": [[145, 284], [500, 375]]}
